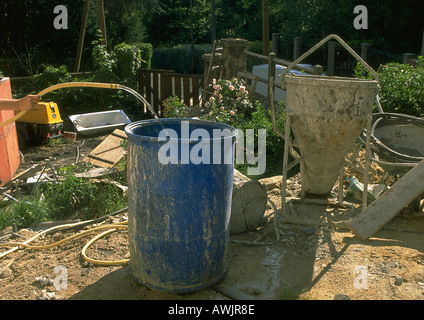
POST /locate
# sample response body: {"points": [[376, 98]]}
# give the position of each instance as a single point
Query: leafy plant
{"points": [[232, 105], [73, 196], [230, 101], [173, 107], [261, 118], [24, 213], [402, 87]]}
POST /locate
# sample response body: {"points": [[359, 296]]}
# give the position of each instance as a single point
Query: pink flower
{"points": [[232, 112], [222, 108], [231, 87], [242, 88]]}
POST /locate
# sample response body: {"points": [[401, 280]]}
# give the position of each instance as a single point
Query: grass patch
{"points": [[73, 197]]}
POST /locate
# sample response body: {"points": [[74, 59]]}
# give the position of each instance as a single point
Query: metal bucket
{"points": [[326, 115], [179, 212]]}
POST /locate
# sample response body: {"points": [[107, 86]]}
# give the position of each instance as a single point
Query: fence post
{"points": [[406, 57], [422, 45], [233, 57], [318, 70], [275, 42], [364, 51], [331, 58], [271, 72], [296, 47]]}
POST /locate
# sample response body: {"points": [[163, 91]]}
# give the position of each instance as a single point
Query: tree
{"points": [[27, 32]]}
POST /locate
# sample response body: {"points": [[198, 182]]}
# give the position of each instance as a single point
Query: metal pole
{"points": [[367, 163]]}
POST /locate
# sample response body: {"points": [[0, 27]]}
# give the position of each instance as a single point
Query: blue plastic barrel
{"points": [[180, 184]]}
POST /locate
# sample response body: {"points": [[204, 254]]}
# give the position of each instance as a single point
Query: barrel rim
{"points": [[128, 129]]}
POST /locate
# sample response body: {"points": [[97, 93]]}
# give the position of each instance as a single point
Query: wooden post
{"points": [[102, 23], [213, 21], [191, 36], [364, 50], [275, 42], [81, 36], [271, 74], [318, 70], [406, 57], [296, 47], [422, 45], [331, 58], [265, 27]]}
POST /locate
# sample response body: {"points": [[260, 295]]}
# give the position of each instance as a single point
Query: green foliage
{"points": [[119, 66], [76, 197], [52, 75], [402, 87], [173, 107], [24, 213], [146, 53], [232, 105], [176, 16], [179, 58], [261, 118], [230, 101]]}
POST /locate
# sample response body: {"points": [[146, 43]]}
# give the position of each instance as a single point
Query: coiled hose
{"points": [[108, 227]]}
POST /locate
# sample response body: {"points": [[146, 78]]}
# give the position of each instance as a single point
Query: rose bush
{"points": [[230, 101]]}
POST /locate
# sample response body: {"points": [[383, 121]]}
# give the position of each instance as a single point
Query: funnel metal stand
{"points": [[288, 148]]}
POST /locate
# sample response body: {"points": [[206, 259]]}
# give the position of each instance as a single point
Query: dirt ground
{"points": [[316, 257]]}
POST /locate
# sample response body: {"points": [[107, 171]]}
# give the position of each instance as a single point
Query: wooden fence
{"points": [[157, 85]]}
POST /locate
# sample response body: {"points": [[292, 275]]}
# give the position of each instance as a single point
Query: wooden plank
{"points": [[108, 152], [186, 90], [382, 210], [177, 86], [155, 89], [197, 85], [232, 292]]}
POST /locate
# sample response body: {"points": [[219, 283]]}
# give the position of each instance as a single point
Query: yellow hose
{"points": [[61, 86], [111, 227]]}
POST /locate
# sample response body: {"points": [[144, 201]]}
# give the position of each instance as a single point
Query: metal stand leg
{"points": [[341, 185], [367, 163], [285, 160]]}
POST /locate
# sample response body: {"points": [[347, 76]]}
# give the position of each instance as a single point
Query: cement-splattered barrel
{"points": [[180, 180]]}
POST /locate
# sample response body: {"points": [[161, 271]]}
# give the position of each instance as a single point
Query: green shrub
{"points": [[231, 104], [402, 87], [173, 107], [179, 58], [261, 118], [146, 53]]}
